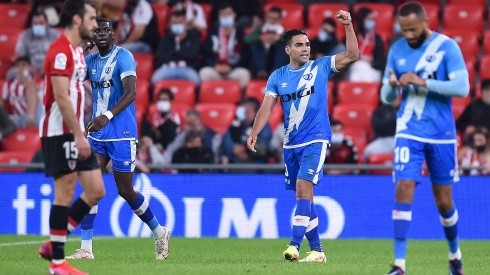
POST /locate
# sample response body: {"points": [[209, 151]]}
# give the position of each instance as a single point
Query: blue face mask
{"points": [[177, 28], [227, 21], [39, 30], [369, 25], [323, 36]]}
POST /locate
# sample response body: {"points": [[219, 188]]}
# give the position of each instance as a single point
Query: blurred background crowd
{"points": [[202, 68]]}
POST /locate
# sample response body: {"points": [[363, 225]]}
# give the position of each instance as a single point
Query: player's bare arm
{"points": [[60, 86], [261, 119], [343, 60], [129, 84]]}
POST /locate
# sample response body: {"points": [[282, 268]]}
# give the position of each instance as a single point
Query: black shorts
{"points": [[61, 157]]}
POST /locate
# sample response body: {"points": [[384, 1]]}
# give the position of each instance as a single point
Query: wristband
{"points": [[108, 114]]}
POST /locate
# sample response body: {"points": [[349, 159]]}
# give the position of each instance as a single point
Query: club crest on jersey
{"points": [[60, 61], [72, 164], [108, 70], [430, 58], [308, 76]]}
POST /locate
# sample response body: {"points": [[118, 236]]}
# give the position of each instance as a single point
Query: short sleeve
{"points": [[271, 86], [126, 62], [59, 62]]}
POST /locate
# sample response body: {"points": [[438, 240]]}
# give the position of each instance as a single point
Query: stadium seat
{"points": [[359, 137], [256, 89], [480, 3], [384, 15], [142, 95], [8, 40], [23, 139], [276, 116], [5, 64], [207, 8], [220, 91], [15, 157], [162, 12], [144, 65], [181, 109], [459, 104], [353, 115], [217, 116], [292, 14], [467, 40], [484, 67], [358, 93], [386, 158], [14, 15], [470, 66], [434, 2], [433, 14], [319, 11], [486, 42], [184, 90], [465, 16]]}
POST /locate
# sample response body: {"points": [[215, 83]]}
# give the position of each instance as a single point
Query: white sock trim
{"points": [[456, 255], [451, 220], [87, 245], [401, 263]]}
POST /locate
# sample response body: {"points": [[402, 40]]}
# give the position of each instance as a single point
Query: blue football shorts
{"points": [[304, 163], [121, 152], [409, 157]]}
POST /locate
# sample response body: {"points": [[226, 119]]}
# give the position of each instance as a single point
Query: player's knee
{"points": [[127, 194], [444, 204]]}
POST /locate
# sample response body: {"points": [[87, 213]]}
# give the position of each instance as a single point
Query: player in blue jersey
{"points": [[113, 132], [427, 69], [301, 88]]}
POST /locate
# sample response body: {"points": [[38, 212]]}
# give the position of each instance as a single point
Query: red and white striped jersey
{"points": [[63, 59], [14, 94]]}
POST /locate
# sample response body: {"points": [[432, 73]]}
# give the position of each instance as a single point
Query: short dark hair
{"points": [[330, 21], [253, 101], [335, 122], [276, 9], [485, 84], [104, 20], [178, 13], [412, 7], [168, 92], [224, 5], [71, 8], [193, 134], [22, 58], [288, 36]]}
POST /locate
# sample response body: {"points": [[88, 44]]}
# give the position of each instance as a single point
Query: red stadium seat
{"points": [[292, 14], [359, 137], [144, 65], [484, 67], [353, 115], [470, 66], [5, 64], [433, 14], [217, 116], [208, 12], [16, 157], [319, 11], [358, 93], [220, 91], [183, 90], [384, 15], [465, 16], [467, 40], [256, 89], [181, 109], [386, 158], [480, 3], [459, 104], [142, 95], [486, 42], [162, 12], [8, 40], [434, 2], [23, 139], [14, 15], [276, 116]]}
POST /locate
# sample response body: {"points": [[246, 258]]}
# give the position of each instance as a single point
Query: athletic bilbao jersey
{"points": [[106, 74], [63, 59], [303, 96], [422, 113]]}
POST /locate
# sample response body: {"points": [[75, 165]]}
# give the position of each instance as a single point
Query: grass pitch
{"points": [[18, 255]]}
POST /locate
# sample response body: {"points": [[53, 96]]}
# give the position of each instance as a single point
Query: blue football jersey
{"points": [[303, 96], [105, 74], [424, 115]]}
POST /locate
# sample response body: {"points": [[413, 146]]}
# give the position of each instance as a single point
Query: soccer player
{"points": [[427, 69], [65, 148], [301, 88], [113, 132]]}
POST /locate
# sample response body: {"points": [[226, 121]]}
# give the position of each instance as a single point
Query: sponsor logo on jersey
{"points": [[102, 84], [298, 94]]}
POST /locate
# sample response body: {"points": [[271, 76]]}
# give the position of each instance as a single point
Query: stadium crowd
{"points": [[202, 68]]}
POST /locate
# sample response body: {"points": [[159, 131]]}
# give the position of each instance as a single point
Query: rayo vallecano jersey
{"points": [[303, 95], [424, 115], [105, 74]]}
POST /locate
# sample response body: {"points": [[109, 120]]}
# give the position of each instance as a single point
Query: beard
{"points": [[85, 34], [420, 40]]}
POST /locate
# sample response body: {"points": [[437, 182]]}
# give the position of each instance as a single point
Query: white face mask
{"points": [[369, 24], [337, 138], [177, 28], [240, 113], [227, 21], [163, 106], [39, 30], [323, 35]]}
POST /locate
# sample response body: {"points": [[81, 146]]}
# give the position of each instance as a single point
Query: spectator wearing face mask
{"points": [[397, 32], [194, 15], [161, 123], [34, 43], [342, 150], [235, 139], [224, 48], [266, 46], [477, 154], [177, 52], [371, 49], [326, 43], [476, 114]]}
